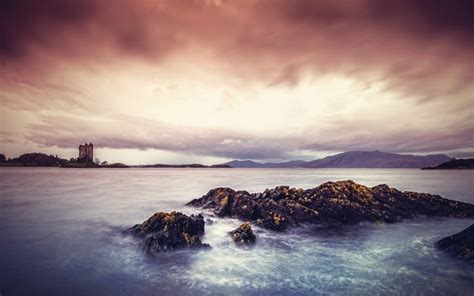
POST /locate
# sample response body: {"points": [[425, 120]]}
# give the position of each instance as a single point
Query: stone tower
{"points": [[86, 153]]}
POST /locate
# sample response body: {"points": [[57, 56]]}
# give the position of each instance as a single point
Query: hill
{"points": [[33, 160], [352, 159], [454, 164], [376, 159]]}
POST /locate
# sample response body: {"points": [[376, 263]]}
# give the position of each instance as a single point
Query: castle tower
{"points": [[86, 153]]}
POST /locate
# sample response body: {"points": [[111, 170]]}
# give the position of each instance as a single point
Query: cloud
{"points": [[414, 58], [264, 36], [139, 133], [403, 141], [142, 134]]}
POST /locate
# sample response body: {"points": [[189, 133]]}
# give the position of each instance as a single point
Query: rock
{"points": [[331, 203], [170, 231], [209, 221], [243, 234], [459, 245]]}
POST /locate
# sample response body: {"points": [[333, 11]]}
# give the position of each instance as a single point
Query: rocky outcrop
{"points": [[170, 231], [460, 245], [343, 202], [243, 234]]}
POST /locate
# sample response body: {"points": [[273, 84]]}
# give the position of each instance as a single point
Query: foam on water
{"points": [[61, 232]]}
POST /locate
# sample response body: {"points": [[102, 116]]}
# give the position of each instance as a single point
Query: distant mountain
{"points": [[352, 159], [254, 164], [454, 164], [376, 159]]}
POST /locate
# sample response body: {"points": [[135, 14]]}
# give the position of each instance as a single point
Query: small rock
{"points": [[459, 245], [243, 234], [170, 231]]}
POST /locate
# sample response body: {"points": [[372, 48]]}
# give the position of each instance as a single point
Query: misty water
{"points": [[61, 234]]}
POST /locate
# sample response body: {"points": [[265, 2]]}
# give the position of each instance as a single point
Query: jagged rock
{"points": [[243, 234], [170, 231], [342, 202], [460, 245]]}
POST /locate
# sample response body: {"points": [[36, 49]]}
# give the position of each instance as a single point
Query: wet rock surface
{"points": [[170, 231], [459, 245], [331, 203], [243, 234]]}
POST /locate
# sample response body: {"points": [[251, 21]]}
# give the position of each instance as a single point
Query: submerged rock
{"points": [[243, 234], [460, 245], [170, 231], [331, 203]]}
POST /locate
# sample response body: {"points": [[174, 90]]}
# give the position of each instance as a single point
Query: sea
{"points": [[62, 233]]}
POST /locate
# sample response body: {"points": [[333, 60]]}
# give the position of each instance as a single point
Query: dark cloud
{"points": [[25, 23], [271, 40], [429, 17], [148, 27]]}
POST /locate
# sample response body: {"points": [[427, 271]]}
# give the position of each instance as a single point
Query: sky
{"points": [[210, 81]]}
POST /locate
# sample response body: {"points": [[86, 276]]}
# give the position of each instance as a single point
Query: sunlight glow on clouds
{"points": [[207, 81]]}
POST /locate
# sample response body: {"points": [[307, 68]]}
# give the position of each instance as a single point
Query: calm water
{"points": [[60, 234]]}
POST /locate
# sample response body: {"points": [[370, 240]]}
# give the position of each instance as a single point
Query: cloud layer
{"points": [[257, 79]]}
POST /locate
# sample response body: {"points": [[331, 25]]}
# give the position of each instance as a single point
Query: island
{"points": [[84, 160], [454, 164], [193, 165], [32, 160], [80, 165]]}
